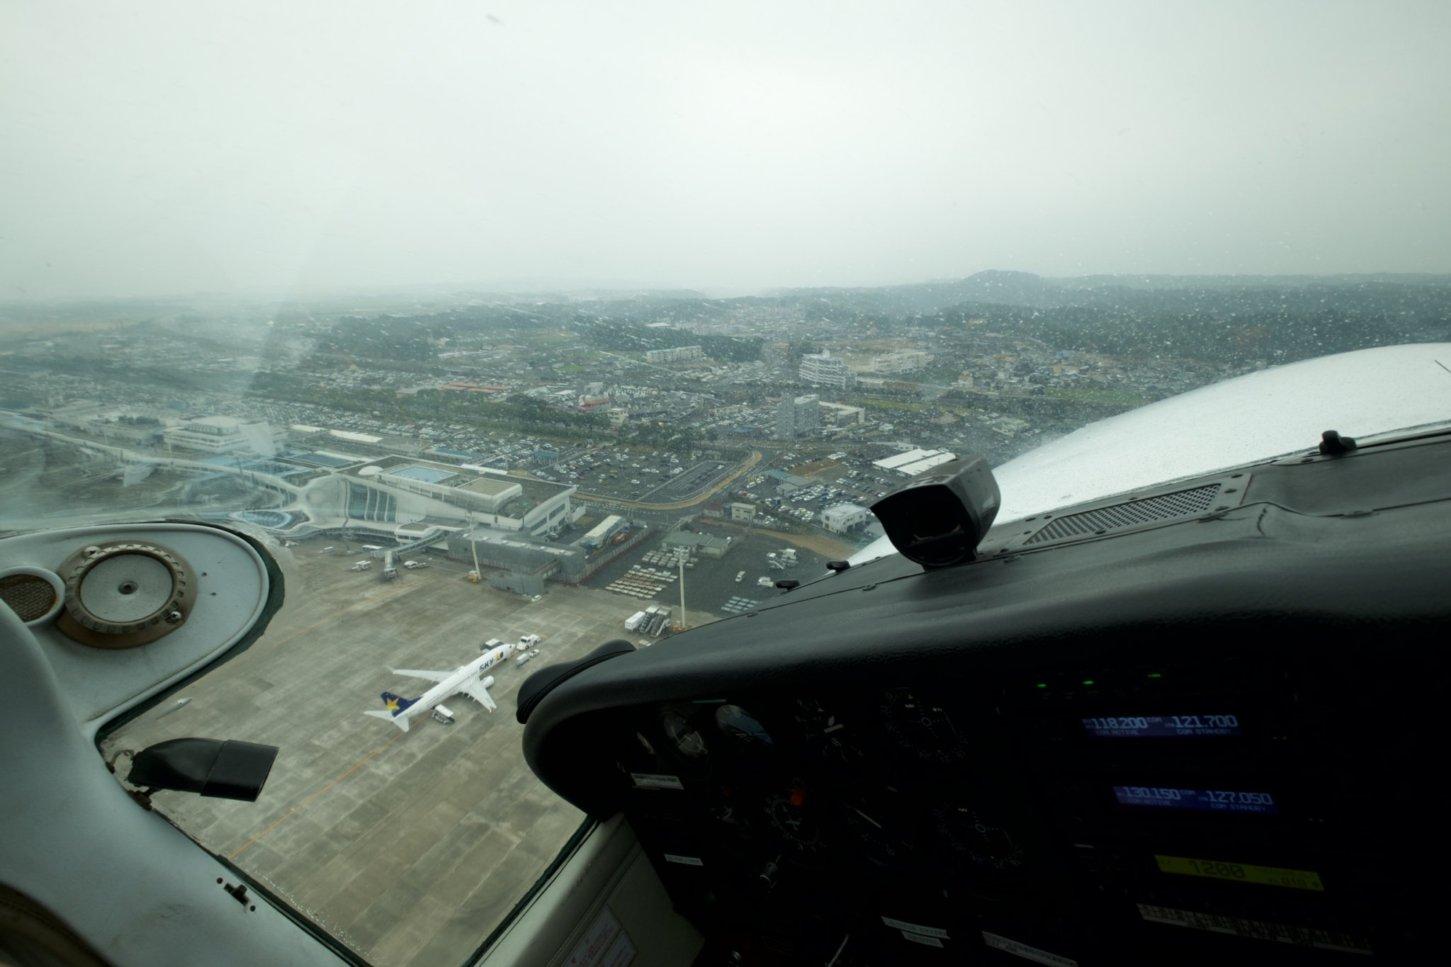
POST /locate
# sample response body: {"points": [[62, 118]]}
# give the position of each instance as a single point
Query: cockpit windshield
{"points": [[541, 324]]}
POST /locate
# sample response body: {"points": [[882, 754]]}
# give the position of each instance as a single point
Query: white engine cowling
{"points": [[488, 681]]}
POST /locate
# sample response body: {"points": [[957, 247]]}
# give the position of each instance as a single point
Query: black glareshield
{"points": [[217, 768], [939, 519]]}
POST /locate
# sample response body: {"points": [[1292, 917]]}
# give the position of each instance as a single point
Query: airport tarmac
{"points": [[410, 848], [711, 589]]}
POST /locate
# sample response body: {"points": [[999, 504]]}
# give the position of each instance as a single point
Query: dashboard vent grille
{"points": [[1134, 513], [28, 595]]}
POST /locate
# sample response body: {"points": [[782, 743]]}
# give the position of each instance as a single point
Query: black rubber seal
{"points": [[546, 680]]}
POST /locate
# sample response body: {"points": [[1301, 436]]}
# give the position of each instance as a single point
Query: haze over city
{"points": [[175, 148]]}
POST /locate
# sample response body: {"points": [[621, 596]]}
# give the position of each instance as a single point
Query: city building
{"points": [[798, 416], [742, 511], [840, 518], [824, 369], [214, 434], [776, 355], [675, 354], [840, 414], [901, 361]]}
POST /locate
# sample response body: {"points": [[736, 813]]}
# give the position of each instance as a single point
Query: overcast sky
{"points": [[155, 148]]}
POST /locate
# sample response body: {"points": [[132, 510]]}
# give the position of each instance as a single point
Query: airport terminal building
{"points": [[208, 434], [399, 490]]}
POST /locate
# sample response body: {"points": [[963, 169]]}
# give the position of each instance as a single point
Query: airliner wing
{"points": [[418, 673], [477, 692]]}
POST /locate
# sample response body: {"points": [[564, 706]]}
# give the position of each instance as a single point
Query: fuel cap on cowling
{"points": [[124, 594]]}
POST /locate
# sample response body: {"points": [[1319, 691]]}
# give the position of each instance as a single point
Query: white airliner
{"points": [[468, 680]]}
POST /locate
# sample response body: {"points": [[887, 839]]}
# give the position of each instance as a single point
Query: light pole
{"points": [[681, 553], [475, 576]]}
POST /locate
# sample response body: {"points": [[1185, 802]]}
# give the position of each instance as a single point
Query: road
{"points": [[828, 547], [724, 483]]}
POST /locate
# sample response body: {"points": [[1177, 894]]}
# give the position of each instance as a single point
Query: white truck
{"points": [[634, 621], [390, 569]]}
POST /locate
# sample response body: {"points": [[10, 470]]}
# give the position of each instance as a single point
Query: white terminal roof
{"points": [[347, 435], [352, 437], [350, 458], [914, 462]]}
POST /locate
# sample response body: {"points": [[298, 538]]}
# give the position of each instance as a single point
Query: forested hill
{"points": [[1268, 320]]}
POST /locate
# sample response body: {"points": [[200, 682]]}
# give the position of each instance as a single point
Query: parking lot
{"points": [[657, 476], [711, 584]]}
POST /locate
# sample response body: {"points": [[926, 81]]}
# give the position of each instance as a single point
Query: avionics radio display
{"points": [[1198, 800], [1160, 726]]}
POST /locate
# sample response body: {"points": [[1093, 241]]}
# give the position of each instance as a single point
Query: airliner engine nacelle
{"points": [[488, 681]]}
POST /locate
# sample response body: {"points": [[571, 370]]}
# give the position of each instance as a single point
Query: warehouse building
{"points": [[706, 545], [528, 562], [913, 462], [901, 361]]}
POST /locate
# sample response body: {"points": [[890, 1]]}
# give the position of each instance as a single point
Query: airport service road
{"points": [[716, 484], [688, 483], [410, 848]]}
